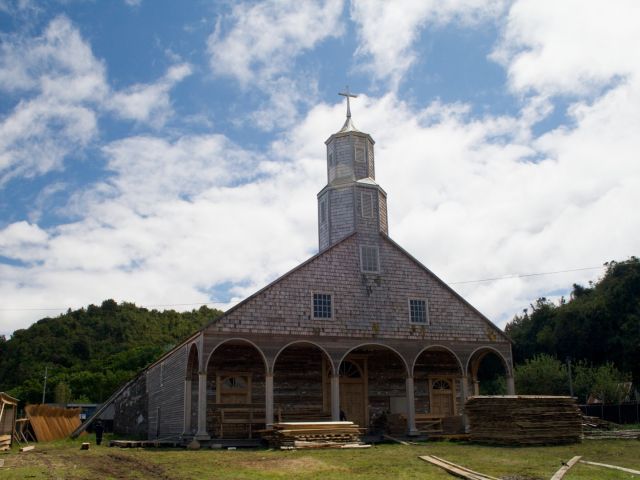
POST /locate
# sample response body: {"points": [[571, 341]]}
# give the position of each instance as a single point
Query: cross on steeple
{"points": [[347, 94]]}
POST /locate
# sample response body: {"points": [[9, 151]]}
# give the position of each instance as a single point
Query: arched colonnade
{"points": [[285, 379]]}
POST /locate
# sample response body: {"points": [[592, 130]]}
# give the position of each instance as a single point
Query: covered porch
{"points": [[236, 387]]}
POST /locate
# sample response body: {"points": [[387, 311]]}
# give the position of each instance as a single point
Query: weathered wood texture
{"points": [[8, 411], [165, 386], [131, 410], [364, 306], [562, 471], [524, 420], [313, 435]]}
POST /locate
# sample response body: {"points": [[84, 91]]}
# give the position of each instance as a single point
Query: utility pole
{"points": [[44, 387]]}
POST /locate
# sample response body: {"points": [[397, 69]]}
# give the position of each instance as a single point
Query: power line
{"points": [[493, 279], [507, 277], [53, 309]]}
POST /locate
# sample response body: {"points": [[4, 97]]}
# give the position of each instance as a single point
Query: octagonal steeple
{"points": [[351, 200]]}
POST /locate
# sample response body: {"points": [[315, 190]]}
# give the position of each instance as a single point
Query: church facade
{"points": [[362, 331]]}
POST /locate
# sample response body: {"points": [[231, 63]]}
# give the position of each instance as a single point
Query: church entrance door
{"points": [[353, 391], [442, 396]]}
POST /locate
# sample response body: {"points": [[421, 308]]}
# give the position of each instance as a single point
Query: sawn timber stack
{"points": [[313, 435], [524, 420]]}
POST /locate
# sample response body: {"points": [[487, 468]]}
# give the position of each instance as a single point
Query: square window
{"points": [[418, 311], [321, 305], [369, 259]]}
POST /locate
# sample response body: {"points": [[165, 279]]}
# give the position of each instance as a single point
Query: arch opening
{"points": [[299, 391], [488, 373], [373, 389], [235, 390], [439, 390], [191, 390]]}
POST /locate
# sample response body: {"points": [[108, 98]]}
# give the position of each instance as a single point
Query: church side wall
{"points": [[131, 416], [165, 382]]}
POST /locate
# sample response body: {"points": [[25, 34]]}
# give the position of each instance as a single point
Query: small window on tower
{"points": [[359, 153], [369, 262], [331, 159], [366, 204], [323, 211], [418, 311], [322, 305]]}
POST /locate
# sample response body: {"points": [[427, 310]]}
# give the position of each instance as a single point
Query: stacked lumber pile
{"points": [[524, 420], [5, 442], [290, 435], [52, 423]]}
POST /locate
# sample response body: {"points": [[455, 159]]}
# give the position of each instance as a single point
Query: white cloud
{"points": [[63, 89], [180, 218], [266, 37], [569, 47], [149, 103], [388, 31], [471, 197], [261, 46]]}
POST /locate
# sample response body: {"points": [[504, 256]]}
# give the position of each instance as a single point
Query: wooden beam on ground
{"points": [[394, 439], [615, 467], [565, 468], [465, 468], [27, 448], [454, 469]]}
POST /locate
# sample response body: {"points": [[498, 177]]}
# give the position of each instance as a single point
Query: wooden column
{"points": [[268, 399], [202, 407], [411, 408], [465, 395], [187, 408], [465, 389], [476, 386], [511, 385], [335, 398]]}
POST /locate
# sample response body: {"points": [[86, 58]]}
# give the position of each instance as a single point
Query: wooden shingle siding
{"points": [[365, 306], [165, 383]]}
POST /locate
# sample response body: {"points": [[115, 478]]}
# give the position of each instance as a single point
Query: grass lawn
{"points": [[65, 460]]}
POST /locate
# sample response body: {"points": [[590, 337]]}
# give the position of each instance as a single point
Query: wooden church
{"points": [[362, 330]]}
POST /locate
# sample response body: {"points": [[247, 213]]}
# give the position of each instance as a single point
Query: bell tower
{"points": [[351, 201]]}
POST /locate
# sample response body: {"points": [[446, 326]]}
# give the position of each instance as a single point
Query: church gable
{"points": [[331, 295]]}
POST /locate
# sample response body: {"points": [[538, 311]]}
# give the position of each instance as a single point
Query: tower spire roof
{"points": [[348, 124]]}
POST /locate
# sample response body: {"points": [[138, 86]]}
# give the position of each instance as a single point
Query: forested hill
{"points": [[90, 352], [599, 323]]}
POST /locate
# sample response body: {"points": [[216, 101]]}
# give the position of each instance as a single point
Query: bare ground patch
{"points": [[289, 465]]}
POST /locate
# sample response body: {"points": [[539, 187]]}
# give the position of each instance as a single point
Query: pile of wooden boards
{"points": [[52, 423], [524, 420], [290, 435]]}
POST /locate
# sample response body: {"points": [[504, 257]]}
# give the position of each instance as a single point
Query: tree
{"points": [[62, 393], [605, 382], [542, 375], [92, 350], [599, 324]]}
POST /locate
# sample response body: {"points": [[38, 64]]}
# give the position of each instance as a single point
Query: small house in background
{"points": [[87, 410], [362, 330], [8, 412]]}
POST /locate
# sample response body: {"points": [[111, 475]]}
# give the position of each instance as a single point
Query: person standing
{"points": [[99, 429]]}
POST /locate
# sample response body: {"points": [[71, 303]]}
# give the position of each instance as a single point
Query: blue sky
{"points": [[169, 154]]}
